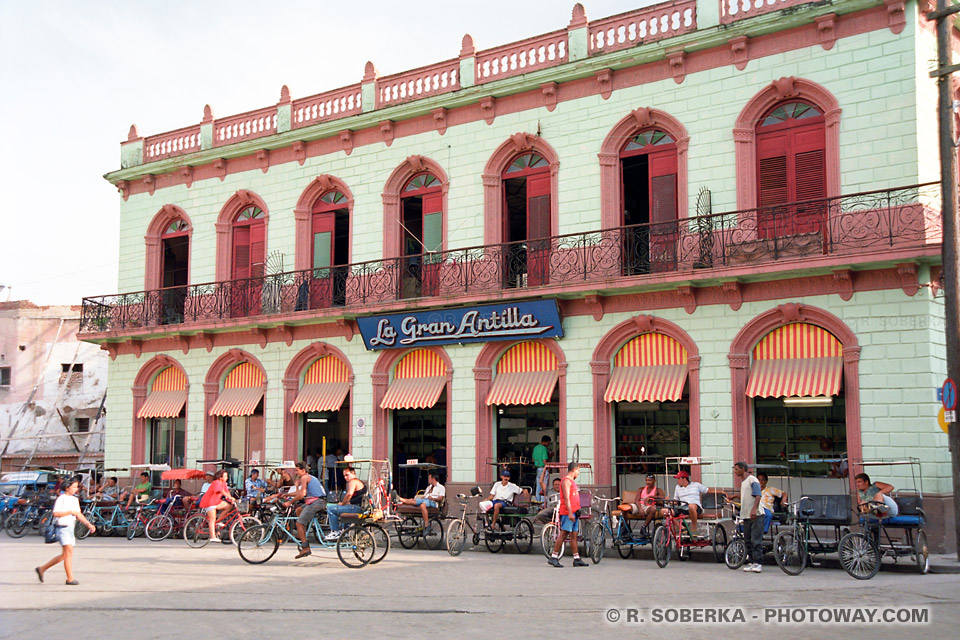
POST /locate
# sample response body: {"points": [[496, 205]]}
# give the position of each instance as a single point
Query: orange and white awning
{"points": [[242, 392], [526, 374], [325, 386], [167, 395], [418, 380], [796, 360], [650, 368]]}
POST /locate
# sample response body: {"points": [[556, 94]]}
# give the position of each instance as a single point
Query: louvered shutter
{"points": [[258, 236], [241, 252]]}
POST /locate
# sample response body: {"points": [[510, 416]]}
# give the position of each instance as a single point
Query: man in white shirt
{"points": [[432, 496], [750, 494], [502, 494], [689, 494]]}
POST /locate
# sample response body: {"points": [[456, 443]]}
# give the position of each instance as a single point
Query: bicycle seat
{"points": [[807, 512]]}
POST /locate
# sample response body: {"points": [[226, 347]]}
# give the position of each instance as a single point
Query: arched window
{"points": [[421, 210], [174, 270], [526, 220], [330, 224], [249, 242], [648, 179], [791, 167]]}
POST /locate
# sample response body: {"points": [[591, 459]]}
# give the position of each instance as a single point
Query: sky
{"points": [[75, 75]]}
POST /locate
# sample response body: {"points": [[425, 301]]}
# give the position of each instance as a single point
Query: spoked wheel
{"points": [[381, 539], [859, 556], [256, 545], [719, 542], [523, 536], [456, 537], [789, 552], [548, 538], [921, 553], [495, 542], [17, 525], [135, 529], [80, 530], [661, 546], [356, 547], [159, 528], [196, 531], [433, 534], [408, 531], [241, 525], [735, 554], [598, 540]]}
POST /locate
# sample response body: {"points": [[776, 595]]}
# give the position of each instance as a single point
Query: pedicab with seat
{"points": [[172, 513], [736, 551], [411, 528], [674, 534], [622, 528], [896, 537]]}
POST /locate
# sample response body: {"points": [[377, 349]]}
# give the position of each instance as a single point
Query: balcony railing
{"points": [[878, 222]]}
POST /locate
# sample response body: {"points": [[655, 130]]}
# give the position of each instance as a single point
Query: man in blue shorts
{"points": [[432, 496], [569, 517]]}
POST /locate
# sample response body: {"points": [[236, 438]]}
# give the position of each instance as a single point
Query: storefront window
{"points": [[814, 436], [519, 430], [168, 441], [646, 433]]}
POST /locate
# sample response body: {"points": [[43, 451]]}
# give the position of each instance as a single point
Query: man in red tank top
{"points": [[569, 517]]}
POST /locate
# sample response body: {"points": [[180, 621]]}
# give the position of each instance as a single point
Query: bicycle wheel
{"points": [[494, 542], [356, 547], [381, 541], [257, 544], [598, 541], [661, 546], [241, 525], [523, 536], [456, 537], [408, 531], [136, 528], [196, 531], [433, 534], [159, 528], [18, 524], [921, 554], [719, 542], [790, 552], [735, 554], [859, 556], [548, 539]]}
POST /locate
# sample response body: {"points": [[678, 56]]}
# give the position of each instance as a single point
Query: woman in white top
{"points": [[66, 510]]}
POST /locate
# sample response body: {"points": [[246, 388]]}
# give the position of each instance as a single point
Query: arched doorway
{"points": [[247, 261], [166, 423], [526, 221], [239, 414], [421, 210], [648, 170], [330, 249], [323, 424]]}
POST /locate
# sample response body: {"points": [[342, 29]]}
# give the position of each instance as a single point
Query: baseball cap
{"points": [[682, 474], [505, 472]]}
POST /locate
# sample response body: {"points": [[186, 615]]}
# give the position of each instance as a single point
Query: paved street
{"points": [[142, 589]]}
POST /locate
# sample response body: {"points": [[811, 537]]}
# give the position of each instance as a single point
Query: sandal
{"points": [[39, 574]]}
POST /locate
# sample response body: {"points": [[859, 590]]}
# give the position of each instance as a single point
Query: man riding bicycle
{"points": [[310, 490]]}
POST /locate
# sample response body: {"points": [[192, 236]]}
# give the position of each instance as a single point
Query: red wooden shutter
{"points": [[538, 206], [241, 252], [663, 187], [258, 237], [811, 181]]}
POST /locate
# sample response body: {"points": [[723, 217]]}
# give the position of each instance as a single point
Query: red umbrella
{"points": [[182, 474]]}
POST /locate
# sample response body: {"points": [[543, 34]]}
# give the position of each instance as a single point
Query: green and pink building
{"points": [[704, 228]]}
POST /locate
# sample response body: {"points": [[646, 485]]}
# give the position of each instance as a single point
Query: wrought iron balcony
{"points": [[847, 227]]}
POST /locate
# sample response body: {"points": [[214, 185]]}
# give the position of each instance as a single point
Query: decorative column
{"points": [[210, 392], [468, 62], [380, 418], [206, 129], [131, 151], [602, 445], [851, 391], [138, 438], [693, 398], [369, 93], [578, 46], [740, 404], [284, 111], [290, 388], [483, 379]]}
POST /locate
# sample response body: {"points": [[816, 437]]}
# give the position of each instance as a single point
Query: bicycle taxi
{"points": [[736, 552], [551, 530], [675, 533], [899, 536], [626, 531], [819, 524], [172, 514], [145, 510], [412, 527]]}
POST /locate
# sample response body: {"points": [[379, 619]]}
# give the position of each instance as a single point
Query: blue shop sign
{"points": [[509, 321]]}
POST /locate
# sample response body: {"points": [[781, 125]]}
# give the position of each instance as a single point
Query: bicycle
{"points": [[196, 530], [457, 529], [141, 516]]}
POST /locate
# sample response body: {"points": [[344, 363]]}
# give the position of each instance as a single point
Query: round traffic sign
{"points": [[949, 394]]}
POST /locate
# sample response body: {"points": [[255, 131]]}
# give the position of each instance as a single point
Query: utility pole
{"points": [[951, 236]]}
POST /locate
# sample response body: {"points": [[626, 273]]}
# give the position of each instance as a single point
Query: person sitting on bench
{"points": [[432, 496], [501, 495], [874, 498], [688, 493], [645, 503]]}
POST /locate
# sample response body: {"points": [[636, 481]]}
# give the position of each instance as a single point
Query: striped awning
{"points": [[796, 360], [325, 385], [413, 393], [795, 377], [163, 404], [526, 374], [167, 396], [242, 391], [529, 387], [646, 384], [323, 396], [418, 380], [241, 401]]}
